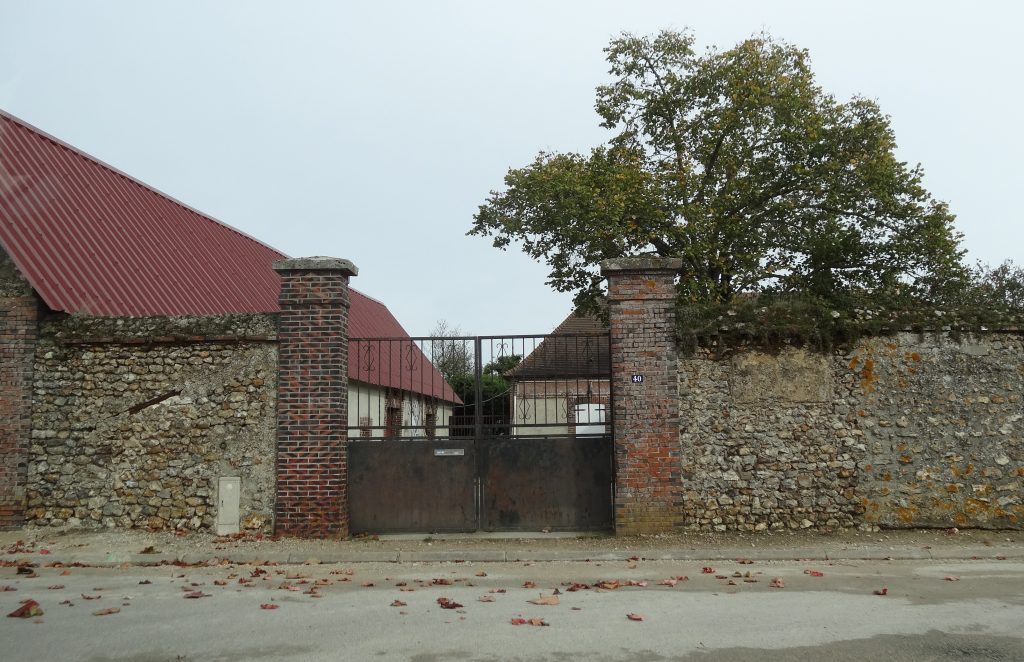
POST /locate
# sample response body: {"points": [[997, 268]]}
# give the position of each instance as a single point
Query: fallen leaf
{"points": [[367, 584], [496, 590], [707, 570], [951, 578], [91, 597], [267, 605], [814, 573], [682, 578], [668, 582], [576, 586], [107, 611], [55, 587], [481, 574], [486, 598], [441, 581], [28, 609], [145, 581], [529, 584], [529, 621], [196, 594], [398, 603], [448, 604], [5, 588], [778, 583], [545, 600], [882, 591], [149, 549], [220, 582], [44, 551], [744, 561], [634, 617], [407, 589]]}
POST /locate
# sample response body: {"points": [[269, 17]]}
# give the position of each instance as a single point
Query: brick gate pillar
{"points": [[645, 393], [312, 397]]}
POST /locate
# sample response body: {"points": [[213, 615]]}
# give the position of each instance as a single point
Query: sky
{"points": [[372, 131]]}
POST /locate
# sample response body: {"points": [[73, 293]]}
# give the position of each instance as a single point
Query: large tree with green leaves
{"points": [[739, 163]]}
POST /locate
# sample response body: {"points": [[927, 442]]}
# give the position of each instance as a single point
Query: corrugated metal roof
{"points": [[92, 240]]}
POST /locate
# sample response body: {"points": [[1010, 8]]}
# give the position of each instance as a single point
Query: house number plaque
{"points": [[638, 379]]}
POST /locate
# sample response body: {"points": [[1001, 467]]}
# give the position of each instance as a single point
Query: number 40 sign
{"points": [[638, 379]]}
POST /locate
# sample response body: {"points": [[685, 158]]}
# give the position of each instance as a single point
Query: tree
{"points": [[738, 163], [450, 353]]}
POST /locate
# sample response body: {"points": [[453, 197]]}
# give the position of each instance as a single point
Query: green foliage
{"points": [[738, 163], [992, 299]]}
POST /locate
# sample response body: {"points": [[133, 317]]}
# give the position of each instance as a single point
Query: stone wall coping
{"points": [[317, 263], [640, 263]]}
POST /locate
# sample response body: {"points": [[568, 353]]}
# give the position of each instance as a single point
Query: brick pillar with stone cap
{"points": [[312, 397], [645, 400]]}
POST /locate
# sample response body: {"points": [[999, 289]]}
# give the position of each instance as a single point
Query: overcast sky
{"points": [[372, 131]]}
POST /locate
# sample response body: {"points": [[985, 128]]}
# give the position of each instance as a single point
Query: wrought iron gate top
{"points": [[462, 387]]}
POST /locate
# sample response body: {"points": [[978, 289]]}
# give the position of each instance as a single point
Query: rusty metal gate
{"points": [[459, 434]]}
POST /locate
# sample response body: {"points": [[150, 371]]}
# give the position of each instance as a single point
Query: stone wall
{"points": [[136, 419], [19, 311], [943, 430], [899, 432]]}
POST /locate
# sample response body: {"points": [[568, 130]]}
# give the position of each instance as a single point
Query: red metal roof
{"points": [[92, 240]]}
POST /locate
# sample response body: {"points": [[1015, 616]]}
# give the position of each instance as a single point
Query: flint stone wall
{"points": [[134, 420], [907, 431]]}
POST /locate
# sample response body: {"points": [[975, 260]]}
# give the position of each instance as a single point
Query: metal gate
{"points": [[458, 434]]}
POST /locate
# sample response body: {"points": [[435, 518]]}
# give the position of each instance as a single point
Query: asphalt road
{"points": [[836, 616]]}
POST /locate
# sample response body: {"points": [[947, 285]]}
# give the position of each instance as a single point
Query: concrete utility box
{"points": [[228, 491]]}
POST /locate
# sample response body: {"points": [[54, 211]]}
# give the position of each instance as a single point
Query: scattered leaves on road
{"points": [[28, 609], [529, 621], [447, 603]]}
